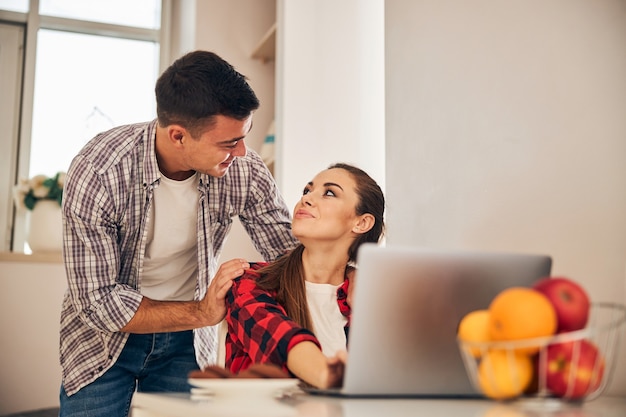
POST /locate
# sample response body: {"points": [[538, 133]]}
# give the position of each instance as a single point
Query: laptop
{"points": [[407, 304]]}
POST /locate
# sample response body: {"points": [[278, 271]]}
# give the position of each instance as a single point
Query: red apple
{"points": [[573, 369], [570, 300]]}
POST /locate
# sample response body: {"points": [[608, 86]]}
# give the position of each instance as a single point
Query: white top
{"points": [[328, 322], [170, 265]]}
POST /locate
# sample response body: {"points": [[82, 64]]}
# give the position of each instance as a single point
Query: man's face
{"points": [[215, 149]]}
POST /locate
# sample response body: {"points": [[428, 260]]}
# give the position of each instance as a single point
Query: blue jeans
{"points": [[156, 362]]}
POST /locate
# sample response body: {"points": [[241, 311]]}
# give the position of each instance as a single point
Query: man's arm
{"points": [[154, 316]]}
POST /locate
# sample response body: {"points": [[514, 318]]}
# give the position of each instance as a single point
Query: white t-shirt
{"points": [[328, 322], [170, 265]]}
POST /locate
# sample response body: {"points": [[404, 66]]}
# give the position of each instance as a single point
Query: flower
{"points": [[27, 192]]}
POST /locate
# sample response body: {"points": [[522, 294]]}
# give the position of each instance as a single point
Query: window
{"points": [[137, 13], [85, 85], [14, 5], [88, 69]]}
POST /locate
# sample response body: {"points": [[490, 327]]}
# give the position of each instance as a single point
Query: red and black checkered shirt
{"points": [[259, 330]]}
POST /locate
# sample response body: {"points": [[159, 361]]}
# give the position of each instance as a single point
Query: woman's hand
{"points": [[336, 367], [213, 305], [307, 362]]}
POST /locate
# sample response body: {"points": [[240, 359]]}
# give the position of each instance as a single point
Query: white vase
{"points": [[45, 229]]}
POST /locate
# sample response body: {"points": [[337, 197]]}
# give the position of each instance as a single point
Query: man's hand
{"points": [[213, 305], [154, 316]]}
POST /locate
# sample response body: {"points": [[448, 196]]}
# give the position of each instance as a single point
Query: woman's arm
{"points": [[259, 330], [307, 362]]}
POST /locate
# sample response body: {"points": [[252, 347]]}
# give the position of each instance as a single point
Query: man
{"points": [[146, 210]]}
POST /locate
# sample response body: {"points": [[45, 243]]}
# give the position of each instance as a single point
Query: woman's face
{"points": [[327, 209]]}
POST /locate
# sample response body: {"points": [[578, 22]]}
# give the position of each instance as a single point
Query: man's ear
{"points": [[176, 134], [364, 224]]}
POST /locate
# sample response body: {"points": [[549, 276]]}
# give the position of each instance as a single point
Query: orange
{"points": [[521, 313], [504, 374], [474, 327]]}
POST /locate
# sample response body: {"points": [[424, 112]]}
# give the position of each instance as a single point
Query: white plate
{"points": [[262, 387]]}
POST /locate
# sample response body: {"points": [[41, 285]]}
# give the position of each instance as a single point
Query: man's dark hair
{"points": [[199, 86]]}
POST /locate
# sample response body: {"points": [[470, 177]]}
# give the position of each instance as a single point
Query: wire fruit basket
{"points": [[573, 366]]}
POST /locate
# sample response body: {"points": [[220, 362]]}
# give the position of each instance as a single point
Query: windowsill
{"points": [[27, 258]]}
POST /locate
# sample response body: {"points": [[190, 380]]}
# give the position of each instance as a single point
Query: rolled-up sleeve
{"points": [[100, 297]]}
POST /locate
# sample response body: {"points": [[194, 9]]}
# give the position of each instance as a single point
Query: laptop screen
{"points": [[407, 304]]}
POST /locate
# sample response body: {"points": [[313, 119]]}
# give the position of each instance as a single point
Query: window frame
{"points": [[32, 22]]}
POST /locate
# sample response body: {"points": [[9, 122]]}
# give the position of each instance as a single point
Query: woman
{"points": [[294, 312]]}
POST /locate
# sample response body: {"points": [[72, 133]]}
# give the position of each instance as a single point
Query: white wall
{"points": [[506, 130], [330, 92], [30, 310]]}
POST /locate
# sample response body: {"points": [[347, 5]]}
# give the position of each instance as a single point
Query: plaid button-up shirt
{"points": [[259, 330], [108, 192]]}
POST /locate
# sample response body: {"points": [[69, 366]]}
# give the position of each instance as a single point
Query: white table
{"points": [[302, 405]]}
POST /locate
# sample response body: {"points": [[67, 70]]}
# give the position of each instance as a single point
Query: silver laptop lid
{"points": [[406, 308]]}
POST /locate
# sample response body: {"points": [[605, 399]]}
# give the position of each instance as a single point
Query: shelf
{"points": [[28, 258], [266, 48]]}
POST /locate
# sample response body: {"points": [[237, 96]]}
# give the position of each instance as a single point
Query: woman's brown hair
{"points": [[285, 276]]}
